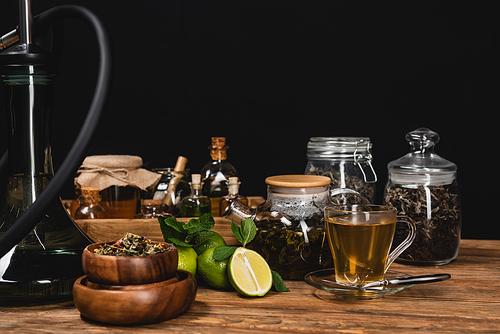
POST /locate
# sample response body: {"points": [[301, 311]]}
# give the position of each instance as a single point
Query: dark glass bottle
{"points": [[196, 204], [215, 175]]}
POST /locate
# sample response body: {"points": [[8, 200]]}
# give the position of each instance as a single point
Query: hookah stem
{"points": [[80, 147], [3, 163]]}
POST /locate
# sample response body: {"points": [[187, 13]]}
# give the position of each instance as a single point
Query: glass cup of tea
{"points": [[360, 238]]}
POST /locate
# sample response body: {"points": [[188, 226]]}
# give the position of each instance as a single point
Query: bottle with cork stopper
{"points": [[216, 174], [90, 204], [196, 204], [233, 195]]}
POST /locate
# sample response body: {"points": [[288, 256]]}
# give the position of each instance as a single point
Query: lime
{"points": [[188, 259], [207, 239], [214, 272], [249, 273]]}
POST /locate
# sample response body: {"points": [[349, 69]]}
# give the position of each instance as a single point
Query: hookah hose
{"points": [[29, 219]]}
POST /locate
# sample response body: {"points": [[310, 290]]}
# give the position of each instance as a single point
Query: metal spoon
{"points": [[408, 280]]}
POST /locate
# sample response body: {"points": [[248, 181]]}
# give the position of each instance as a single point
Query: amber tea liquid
{"points": [[360, 248]]}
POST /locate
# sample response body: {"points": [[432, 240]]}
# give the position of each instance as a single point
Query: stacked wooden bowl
{"points": [[130, 290]]}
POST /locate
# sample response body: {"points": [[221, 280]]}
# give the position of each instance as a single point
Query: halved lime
{"points": [[249, 273]]}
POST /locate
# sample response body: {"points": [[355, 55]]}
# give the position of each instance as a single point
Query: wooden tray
{"points": [[100, 230]]}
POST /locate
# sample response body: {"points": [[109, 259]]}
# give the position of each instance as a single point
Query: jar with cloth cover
{"points": [[120, 179]]}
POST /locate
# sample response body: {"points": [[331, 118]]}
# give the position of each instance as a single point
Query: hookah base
{"points": [[36, 292]]}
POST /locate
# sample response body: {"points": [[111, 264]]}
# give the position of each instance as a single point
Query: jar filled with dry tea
{"points": [[291, 232], [423, 186], [120, 180], [347, 162]]}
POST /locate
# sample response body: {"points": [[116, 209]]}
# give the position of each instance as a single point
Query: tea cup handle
{"points": [[405, 244], [338, 191]]}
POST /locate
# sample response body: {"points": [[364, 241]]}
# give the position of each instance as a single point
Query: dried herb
{"points": [[132, 245], [350, 181], [287, 251], [436, 213]]}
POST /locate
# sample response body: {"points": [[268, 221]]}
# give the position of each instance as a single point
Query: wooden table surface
{"points": [[467, 303]]}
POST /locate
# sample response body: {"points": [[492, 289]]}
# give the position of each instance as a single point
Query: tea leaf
{"points": [[245, 232], [223, 252], [236, 231], [248, 230], [278, 283], [131, 245]]}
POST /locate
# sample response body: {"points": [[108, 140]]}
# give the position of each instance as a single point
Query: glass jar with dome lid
{"points": [[423, 186]]}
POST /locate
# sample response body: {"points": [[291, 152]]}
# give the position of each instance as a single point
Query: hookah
{"points": [[40, 245]]}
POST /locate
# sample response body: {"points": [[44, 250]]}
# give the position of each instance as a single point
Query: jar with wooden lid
{"points": [[120, 180], [290, 224]]}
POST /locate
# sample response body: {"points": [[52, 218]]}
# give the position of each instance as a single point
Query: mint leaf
{"points": [[178, 242], [248, 230], [278, 283], [201, 237], [180, 234], [245, 232], [204, 223], [223, 252], [236, 231], [170, 229], [175, 224]]}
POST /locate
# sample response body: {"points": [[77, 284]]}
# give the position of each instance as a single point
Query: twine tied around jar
{"points": [[103, 171]]}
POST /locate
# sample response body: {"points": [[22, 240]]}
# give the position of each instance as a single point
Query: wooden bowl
{"points": [[135, 304], [125, 270]]}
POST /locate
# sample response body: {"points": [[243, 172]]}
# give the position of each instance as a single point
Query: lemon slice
{"points": [[249, 273]]}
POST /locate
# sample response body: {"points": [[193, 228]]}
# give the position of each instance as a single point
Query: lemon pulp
{"points": [[249, 273]]}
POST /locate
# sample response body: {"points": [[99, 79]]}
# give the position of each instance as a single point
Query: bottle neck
{"points": [[233, 189], [237, 210], [90, 199], [218, 154], [195, 189]]}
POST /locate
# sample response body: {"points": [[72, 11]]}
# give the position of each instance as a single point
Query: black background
{"points": [[268, 75]]}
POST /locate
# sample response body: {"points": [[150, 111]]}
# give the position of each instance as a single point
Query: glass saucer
{"points": [[325, 280]]}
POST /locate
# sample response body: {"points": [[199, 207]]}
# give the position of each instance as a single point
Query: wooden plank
{"points": [[468, 302], [101, 230]]}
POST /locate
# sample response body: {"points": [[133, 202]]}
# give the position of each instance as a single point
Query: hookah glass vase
{"points": [[44, 265]]}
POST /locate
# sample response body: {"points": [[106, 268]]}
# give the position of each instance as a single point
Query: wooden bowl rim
{"points": [[90, 250], [188, 293], [180, 275]]}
